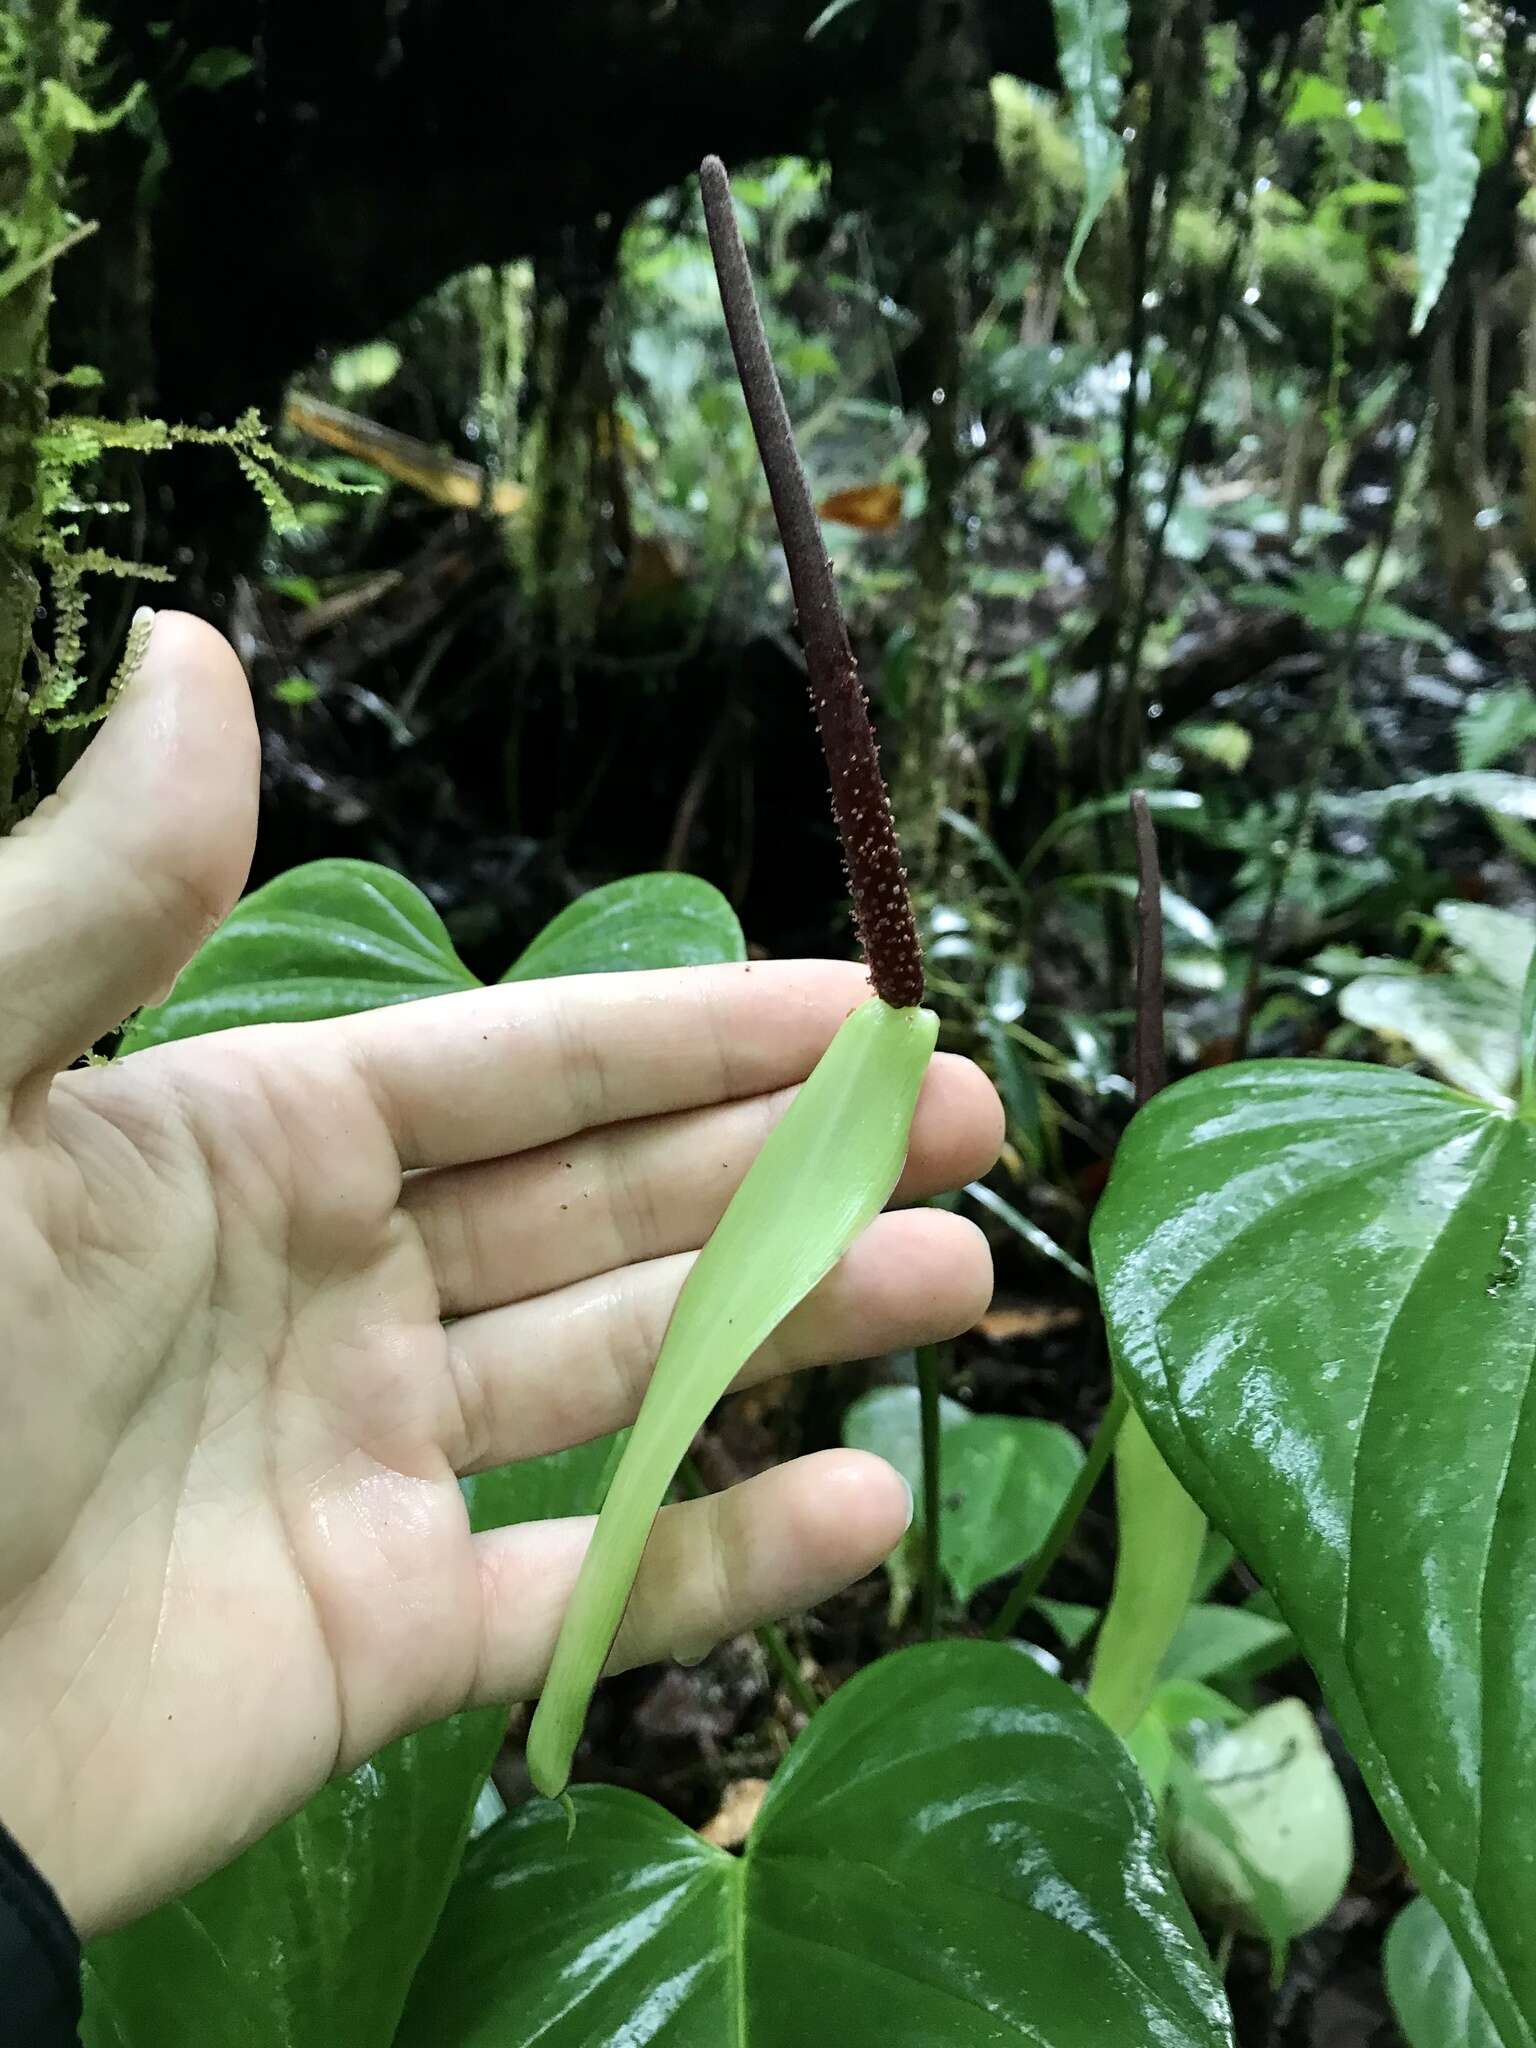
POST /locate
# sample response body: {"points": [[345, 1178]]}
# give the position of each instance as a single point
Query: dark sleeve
{"points": [[39, 1959]]}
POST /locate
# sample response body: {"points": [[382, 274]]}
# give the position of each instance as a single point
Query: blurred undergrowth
{"points": [[1107, 507]]}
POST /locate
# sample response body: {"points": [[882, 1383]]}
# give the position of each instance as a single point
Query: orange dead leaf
{"points": [[873, 508], [738, 1809], [1028, 1319]]}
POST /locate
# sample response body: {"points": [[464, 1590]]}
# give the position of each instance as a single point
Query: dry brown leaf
{"points": [[873, 508], [1028, 1319], [738, 1809]]}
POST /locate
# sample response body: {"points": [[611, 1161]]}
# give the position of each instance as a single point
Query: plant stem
{"points": [[1324, 734], [877, 881], [1161, 1530], [929, 1363], [1151, 1038], [778, 1652], [1034, 1575]]}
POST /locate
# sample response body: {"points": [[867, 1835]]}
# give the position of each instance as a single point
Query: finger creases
{"points": [[507, 1229], [545, 1374], [771, 1546]]}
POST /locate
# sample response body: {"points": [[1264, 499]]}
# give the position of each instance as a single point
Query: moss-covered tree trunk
{"points": [[40, 46]]}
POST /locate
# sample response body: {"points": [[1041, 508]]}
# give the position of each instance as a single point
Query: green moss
{"points": [[1040, 159]]}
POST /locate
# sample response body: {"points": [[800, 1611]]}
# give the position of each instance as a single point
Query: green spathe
{"points": [[826, 1171]]}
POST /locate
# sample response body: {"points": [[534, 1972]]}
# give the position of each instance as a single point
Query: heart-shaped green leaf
{"points": [[1497, 941], [1428, 1984], [661, 920], [955, 1853], [309, 1939], [1465, 1026], [321, 941], [1212, 1644], [1321, 1286], [888, 1421], [1002, 1478], [336, 936]]}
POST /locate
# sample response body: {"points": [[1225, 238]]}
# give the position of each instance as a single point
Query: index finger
{"points": [[467, 1077]]}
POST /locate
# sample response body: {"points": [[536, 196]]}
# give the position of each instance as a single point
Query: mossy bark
{"points": [[34, 159]]}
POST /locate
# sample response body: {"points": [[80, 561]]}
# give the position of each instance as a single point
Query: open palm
{"points": [[234, 1556]]}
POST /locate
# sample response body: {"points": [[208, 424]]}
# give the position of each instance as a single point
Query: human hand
{"points": [[234, 1556]]}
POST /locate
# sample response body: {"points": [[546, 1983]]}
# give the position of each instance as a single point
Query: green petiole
{"points": [[826, 1171], [1161, 1529], [1161, 1534]]}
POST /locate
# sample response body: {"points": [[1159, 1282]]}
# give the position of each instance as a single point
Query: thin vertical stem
{"points": [[1161, 1530], [1151, 1039], [1034, 1575], [778, 1652], [929, 1366]]}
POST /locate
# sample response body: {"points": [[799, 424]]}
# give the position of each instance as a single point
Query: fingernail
{"points": [[140, 627], [906, 1487]]}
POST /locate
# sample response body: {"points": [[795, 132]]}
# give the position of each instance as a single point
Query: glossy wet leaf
{"points": [[1499, 942], [1002, 1479], [887, 1422], [322, 940], [660, 920], [825, 1171], [955, 1854], [1491, 789], [1433, 83], [1210, 1644], [1320, 1282], [336, 936], [1428, 1985], [1090, 55], [309, 1939], [1464, 1026]]}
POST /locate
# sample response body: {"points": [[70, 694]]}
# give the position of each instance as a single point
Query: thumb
{"points": [[110, 886]]}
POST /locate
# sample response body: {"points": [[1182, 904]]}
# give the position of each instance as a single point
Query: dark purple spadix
{"points": [[877, 881]]}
